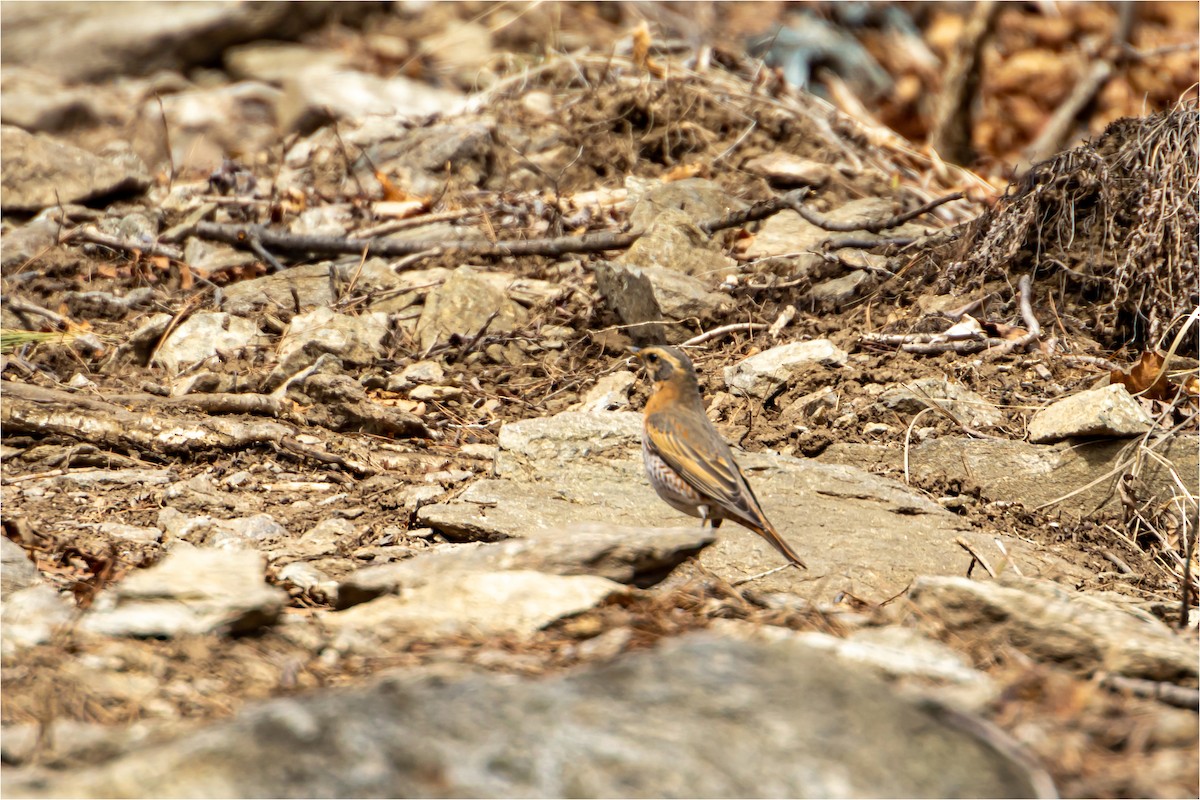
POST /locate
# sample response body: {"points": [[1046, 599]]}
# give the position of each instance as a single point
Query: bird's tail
{"points": [[768, 532]]}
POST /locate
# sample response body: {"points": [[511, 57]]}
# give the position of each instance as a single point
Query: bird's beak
{"points": [[634, 351]]}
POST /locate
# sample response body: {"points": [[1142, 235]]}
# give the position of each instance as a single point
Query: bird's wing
{"points": [[694, 449]]}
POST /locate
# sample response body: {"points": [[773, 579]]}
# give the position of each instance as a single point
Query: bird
{"points": [[689, 465]]}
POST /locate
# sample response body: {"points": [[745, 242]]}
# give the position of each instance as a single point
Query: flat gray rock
{"points": [[355, 339], [673, 241], [468, 603], [696, 717], [39, 171], [32, 615], [859, 533], [1106, 411], [957, 400], [83, 41], [639, 556], [843, 288], [1075, 473], [699, 200], [206, 334], [312, 285], [191, 591], [463, 304], [1071, 629]]}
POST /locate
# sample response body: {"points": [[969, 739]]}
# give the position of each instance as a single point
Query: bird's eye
{"points": [[651, 357]]}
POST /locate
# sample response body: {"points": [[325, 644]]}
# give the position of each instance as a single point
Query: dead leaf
{"points": [[1146, 378], [390, 190], [683, 171]]}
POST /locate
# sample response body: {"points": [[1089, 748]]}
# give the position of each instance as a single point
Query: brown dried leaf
{"points": [[1147, 377]]}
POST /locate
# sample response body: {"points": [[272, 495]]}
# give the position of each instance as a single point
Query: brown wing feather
{"points": [[705, 463]]}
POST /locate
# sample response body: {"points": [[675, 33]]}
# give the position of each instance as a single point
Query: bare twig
{"points": [[871, 227], [721, 331], [257, 248], [782, 321], [1169, 693], [755, 213], [242, 235], [294, 446], [248, 235], [867, 244], [395, 225], [1089, 361], [90, 234], [25, 307], [976, 557]]}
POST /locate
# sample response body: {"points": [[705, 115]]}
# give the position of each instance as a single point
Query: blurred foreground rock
{"points": [[696, 717]]}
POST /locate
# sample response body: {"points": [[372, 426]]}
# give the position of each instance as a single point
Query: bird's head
{"points": [[666, 364]]}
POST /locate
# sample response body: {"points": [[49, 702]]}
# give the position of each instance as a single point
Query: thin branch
{"points": [[983, 562], [1169, 693], [721, 331], [25, 307], [90, 234], [870, 227], [243, 235]]}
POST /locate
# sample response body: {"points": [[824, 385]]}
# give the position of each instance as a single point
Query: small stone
{"points": [[770, 371], [876, 429], [191, 591], [449, 476], [130, 533], [31, 616], [325, 538], [843, 289], [436, 393], [785, 169], [39, 171], [357, 339], [207, 334], [415, 373], [463, 304], [610, 393], [1106, 411]]}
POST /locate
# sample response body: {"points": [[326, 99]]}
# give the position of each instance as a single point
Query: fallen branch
{"points": [[1090, 361], [721, 331], [870, 227], [1169, 693], [25, 307], [975, 557], [259, 237], [1034, 328], [246, 235], [264, 405], [52, 412], [90, 234], [291, 445]]}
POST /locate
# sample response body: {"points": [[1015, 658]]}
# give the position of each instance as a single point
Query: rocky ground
{"points": [[320, 463]]}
